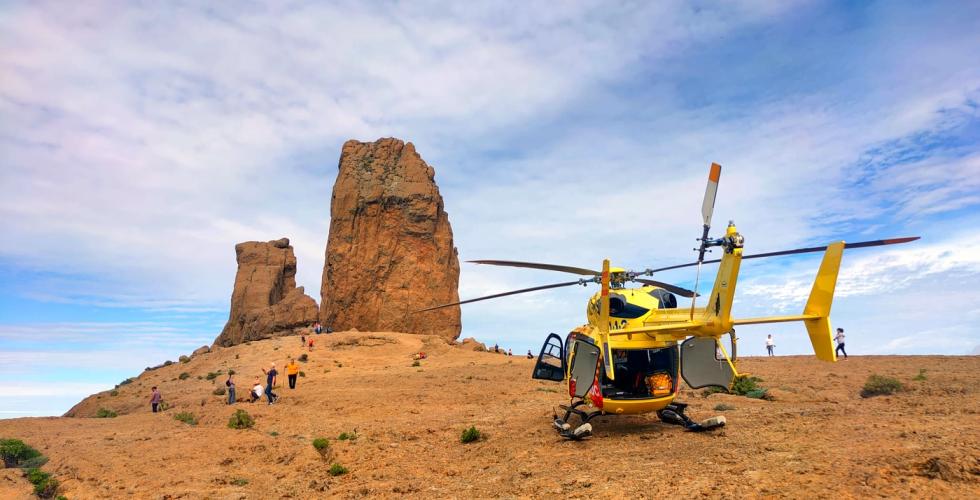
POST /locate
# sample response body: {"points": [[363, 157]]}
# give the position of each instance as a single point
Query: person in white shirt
{"points": [[840, 342], [770, 344], [257, 391]]}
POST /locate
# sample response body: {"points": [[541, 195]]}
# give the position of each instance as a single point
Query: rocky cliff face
{"points": [[266, 301], [390, 250]]}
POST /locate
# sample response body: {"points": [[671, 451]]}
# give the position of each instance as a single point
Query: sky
{"points": [[139, 142]]}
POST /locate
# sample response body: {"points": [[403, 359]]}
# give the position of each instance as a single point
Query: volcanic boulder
{"points": [[390, 250], [266, 301]]}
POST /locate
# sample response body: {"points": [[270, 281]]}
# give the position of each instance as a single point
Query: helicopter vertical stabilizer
{"points": [[821, 298]]}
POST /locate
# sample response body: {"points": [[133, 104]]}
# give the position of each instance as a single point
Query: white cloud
{"points": [[31, 389], [890, 271]]}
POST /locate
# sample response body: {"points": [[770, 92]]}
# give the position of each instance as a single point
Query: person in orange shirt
{"points": [[292, 370]]}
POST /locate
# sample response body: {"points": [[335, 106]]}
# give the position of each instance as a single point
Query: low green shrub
{"points": [[469, 435], [241, 420], [186, 417], [45, 486], [745, 384], [723, 407], [302, 374], [321, 444], [183, 359], [347, 436], [416, 363], [213, 375], [231, 372], [218, 391], [168, 363], [113, 392], [878, 385], [337, 470], [124, 382], [17, 454], [105, 413], [184, 376], [239, 481], [921, 376], [303, 358]]}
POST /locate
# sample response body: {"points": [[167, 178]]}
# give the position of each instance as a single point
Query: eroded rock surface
{"points": [[390, 250], [266, 301]]}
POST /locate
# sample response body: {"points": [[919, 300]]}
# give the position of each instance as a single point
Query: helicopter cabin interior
{"points": [[638, 373]]}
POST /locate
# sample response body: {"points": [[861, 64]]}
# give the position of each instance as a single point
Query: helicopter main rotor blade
{"points": [[683, 292], [860, 244], [535, 265], [504, 294]]}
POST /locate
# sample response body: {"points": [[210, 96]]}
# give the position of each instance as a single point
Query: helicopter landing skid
{"points": [[674, 414], [582, 431]]}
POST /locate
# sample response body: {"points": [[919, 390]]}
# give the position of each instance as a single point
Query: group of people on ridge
{"points": [[257, 390]]}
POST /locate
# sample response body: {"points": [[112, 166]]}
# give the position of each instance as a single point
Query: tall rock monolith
{"points": [[390, 251], [266, 301]]}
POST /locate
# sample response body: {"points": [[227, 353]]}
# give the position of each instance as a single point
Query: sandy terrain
{"points": [[819, 438]]}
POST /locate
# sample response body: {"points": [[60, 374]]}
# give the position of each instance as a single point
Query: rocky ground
{"points": [[818, 438]]}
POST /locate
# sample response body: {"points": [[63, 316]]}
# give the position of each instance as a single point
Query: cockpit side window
{"points": [[666, 299]]}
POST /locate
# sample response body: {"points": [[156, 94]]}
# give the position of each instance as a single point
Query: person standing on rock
{"points": [[840, 342], [231, 389], [770, 344], [270, 380], [155, 399], [292, 370]]}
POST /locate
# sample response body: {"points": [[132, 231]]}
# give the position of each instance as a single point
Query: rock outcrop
{"points": [[471, 344], [266, 301], [390, 250]]}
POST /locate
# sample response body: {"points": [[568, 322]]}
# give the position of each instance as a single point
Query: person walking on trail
{"points": [[302, 340], [770, 344], [230, 384], [311, 344], [292, 370], [529, 355], [270, 380], [155, 399], [257, 391], [840, 342]]}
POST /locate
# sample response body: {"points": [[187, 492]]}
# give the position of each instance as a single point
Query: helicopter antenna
{"points": [[707, 208]]}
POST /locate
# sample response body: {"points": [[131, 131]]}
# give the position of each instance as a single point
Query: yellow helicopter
{"points": [[638, 342]]}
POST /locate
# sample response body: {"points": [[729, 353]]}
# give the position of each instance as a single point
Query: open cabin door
{"points": [[703, 364], [584, 359], [551, 360]]}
